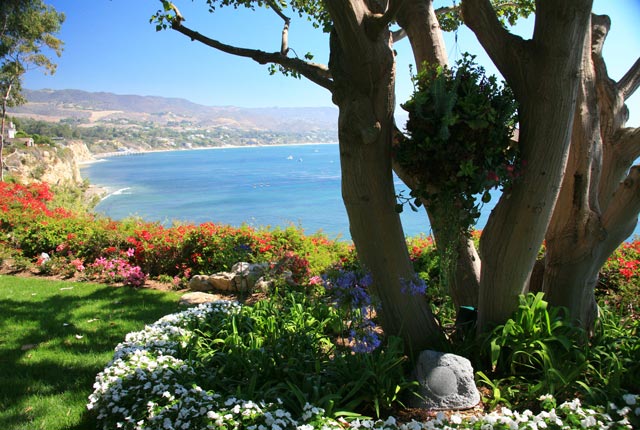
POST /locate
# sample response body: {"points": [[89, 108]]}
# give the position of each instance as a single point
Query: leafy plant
{"points": [[459, 141], [537, 349]]}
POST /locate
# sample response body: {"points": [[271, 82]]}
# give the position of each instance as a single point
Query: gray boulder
{"points": [[446, 382]]}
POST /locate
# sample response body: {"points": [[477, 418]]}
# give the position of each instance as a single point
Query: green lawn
{"points": [[55, 337]]}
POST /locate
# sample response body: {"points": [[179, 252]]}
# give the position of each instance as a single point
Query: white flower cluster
{"points": [[148, 385]]}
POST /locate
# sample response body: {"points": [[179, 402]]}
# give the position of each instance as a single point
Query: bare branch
{"points": [[284, 45], [630, 81], [316, 73], [278, 11]]}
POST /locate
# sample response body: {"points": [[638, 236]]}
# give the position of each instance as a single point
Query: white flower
{"points": [[587, 422], [456, 419], [624, 411], [629, 399]]}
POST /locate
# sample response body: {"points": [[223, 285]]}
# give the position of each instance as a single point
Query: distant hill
{"points": [[95, 108]]}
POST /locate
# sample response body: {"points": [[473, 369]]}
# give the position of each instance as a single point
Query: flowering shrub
{"points": [[177, 252], [158, 377], [115, 269], [350, 293], [620, 276], [152, 383]]}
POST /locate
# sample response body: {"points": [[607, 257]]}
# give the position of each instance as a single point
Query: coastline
{"points": [[101, 156]]}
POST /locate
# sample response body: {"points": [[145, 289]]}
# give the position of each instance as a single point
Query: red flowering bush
{"points": [[619, 282]]}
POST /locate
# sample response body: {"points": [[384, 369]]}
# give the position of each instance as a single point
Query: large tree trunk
{"points": [[543, 74], [418, 19], [363, 67], [596, 209]]}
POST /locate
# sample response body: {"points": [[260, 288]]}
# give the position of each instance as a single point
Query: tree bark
{"points": [[5, 99], [543, 73], [363, 67], [595, 211]]}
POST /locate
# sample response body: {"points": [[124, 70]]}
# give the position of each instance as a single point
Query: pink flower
{"points": [[130, 252], [77, 263], [315, 280]]}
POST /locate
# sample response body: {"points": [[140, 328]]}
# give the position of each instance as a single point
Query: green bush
{"points": [[286, 349], [538, 352]]}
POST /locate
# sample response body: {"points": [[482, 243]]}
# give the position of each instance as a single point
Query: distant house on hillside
{"points": [[10, 131], [17, 141], [11, 139]]}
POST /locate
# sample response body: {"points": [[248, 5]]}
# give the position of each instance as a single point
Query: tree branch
{"points": [[627, 140], [621, 215], [504, 48], [398, 35], [376, 23], [446, 9], [630, 81], [316, 73], [284, 45]]}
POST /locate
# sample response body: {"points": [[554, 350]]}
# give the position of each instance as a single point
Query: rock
{"points": [[200, 283], [241, 268], [196, 298], [242, 278], [223, 281], [446, 382], [263, 285]]}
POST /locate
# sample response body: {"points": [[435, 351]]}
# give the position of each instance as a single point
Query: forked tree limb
{"points": [[378, 22], [507, 50]]}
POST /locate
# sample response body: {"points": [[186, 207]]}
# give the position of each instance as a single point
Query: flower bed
{"points": [[151, 383]]}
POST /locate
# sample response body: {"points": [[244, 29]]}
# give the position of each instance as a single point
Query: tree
{"points": [[545, 74], [599, 199], [27, 30]]}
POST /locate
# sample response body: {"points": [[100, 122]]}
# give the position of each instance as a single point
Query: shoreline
{"points": [[102, 156]]}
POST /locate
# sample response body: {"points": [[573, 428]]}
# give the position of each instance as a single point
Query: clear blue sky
{"points": [[111, 46]]}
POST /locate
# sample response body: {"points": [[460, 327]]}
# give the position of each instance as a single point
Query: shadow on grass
{"points": [[54, 342]]}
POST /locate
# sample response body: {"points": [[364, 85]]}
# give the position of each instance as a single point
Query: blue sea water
{"points": [[258, 186]]}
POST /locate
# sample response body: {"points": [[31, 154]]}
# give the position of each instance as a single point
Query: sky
{"points": [[109, 45]]}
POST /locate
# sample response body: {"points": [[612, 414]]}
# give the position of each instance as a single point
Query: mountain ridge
{"points": [[96, 107]]}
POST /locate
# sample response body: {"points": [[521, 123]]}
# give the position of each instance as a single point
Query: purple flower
{"points": [[364, 339], [350, 290], [414, 287]]}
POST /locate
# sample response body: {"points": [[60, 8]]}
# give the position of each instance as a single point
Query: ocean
{"points": [[260, 186]]}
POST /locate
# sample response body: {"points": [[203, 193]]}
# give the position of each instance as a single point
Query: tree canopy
{"points": [[27, 40]]}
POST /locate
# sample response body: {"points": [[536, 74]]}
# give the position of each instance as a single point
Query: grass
{"points": [[55, 337]]}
